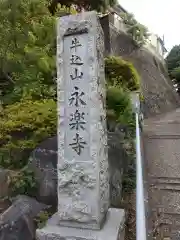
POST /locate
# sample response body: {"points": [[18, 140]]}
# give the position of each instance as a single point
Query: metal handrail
{"points": [[141, 233]]}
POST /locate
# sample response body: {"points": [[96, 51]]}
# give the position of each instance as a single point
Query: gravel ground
{"points": [[130, 206]]}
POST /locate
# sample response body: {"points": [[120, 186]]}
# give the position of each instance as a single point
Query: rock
{"points": [[43, 162], [4, 189], [16, 223], [4, 204]]}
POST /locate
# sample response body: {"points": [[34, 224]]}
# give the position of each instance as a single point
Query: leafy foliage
{"points": [[138, 32], [23, 125], [175, 73], [119, 110], [27, 50], [26, 123], [173, 58], [27, 78], [173, 64], [42, 218], [23, 182], [28, 82], [121, 73], [121, 79], [98, 5]]}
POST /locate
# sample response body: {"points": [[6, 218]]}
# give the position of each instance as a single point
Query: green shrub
{"points": [[23, 182], [22, 126], [122, 78], [121, 73], [42, 218], [119, 109]]}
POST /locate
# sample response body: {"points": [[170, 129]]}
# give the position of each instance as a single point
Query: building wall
{"points": [[153, 44]]}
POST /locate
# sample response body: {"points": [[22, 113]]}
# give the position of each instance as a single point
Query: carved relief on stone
{"points": [[83, 180]]}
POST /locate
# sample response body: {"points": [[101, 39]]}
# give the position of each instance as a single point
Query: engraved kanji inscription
{"points": [[78, 144], [77, 120], [76, 75], [76, 98], [76, 60], [75, 43]]}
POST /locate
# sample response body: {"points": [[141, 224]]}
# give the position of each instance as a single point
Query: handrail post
{"points": [[141, 233], [140, 208]]}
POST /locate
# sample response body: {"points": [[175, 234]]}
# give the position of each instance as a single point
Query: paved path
{"points": [[161, 140]]}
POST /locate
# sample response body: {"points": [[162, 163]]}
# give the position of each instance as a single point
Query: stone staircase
{"points": [[161, 148]]}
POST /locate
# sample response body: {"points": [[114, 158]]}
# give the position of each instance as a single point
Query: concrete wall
{"points": [[155, 44], [157, 88]]}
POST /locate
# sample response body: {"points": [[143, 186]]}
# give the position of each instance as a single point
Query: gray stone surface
{"points": [[4, 187], [16, 223], [113, 229], [83, 179], [43, 162], [162, 154]]}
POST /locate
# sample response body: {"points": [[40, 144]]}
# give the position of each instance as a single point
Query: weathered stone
{"points": [[16, 223], [5, 189], [4, 186], [43, 162], [4, 204], [112, 229], [83, 178], [83, 181]]}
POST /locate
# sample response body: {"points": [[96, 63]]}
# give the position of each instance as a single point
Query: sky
{"points": [[161, 17]]}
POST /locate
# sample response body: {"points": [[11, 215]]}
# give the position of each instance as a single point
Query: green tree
{"points": [[27, 50], [173, 64], [173, 58], [98, 5]]}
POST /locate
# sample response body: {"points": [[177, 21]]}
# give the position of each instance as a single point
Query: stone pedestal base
{"points": [[113, 229]]}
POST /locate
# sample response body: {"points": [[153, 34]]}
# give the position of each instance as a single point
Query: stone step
{"points": [[165, 186], [161, 156], [165, 129], [175, 114]]}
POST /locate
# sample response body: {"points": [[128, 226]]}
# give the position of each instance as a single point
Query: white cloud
{"points": [[161, 17]]}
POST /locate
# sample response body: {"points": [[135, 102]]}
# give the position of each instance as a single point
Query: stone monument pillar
{"points": [[83, 179]]}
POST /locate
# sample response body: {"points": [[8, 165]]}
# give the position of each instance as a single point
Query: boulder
{"points": [[17, 222], [43, 162]]}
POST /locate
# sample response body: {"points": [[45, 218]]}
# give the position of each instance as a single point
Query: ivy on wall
{"points": [[137, 31]]}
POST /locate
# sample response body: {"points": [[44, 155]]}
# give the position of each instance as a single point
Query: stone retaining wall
{"points": [[157, 88]]}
